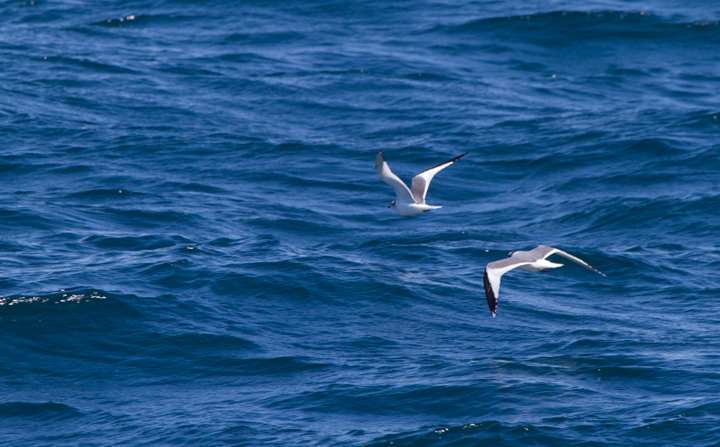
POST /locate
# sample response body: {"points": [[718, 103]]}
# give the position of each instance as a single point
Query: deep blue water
{"points": [[195, 248]]}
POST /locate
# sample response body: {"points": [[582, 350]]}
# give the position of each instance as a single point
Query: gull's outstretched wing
{"points": [[543, 251], [491, 279], [401, 190], [421, 182]]}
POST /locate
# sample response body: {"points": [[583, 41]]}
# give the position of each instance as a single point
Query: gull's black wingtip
{"points": [[379, 161], [459, 157], [454, 159], [489, 295], [596, 270]]}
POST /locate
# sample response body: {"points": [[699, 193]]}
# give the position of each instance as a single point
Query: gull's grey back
{"points": [[526, 256]]}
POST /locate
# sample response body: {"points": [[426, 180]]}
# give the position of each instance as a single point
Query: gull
{"points": [[530, 261], [410, 202]]}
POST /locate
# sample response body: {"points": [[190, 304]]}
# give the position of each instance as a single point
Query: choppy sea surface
{"points": [[195, 248]]}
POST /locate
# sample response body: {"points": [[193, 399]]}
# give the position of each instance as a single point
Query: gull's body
{"points": [[530, 261], [410, 201]]}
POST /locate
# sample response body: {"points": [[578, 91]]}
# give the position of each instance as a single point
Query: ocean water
{"points": [[195, 248]]}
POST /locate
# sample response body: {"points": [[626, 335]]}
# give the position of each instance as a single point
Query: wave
{"points": [[138, 20], [92, 66], [265, 38], [42, 411], [485, 432], [36, 303], [136, 243], [562, 28], [559, 431]]}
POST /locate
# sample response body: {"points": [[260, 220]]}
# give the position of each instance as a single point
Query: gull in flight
{"points": [[530, 261], [410, 202]]}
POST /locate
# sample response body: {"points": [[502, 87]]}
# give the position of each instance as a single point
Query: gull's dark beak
{"points": [[389, 206]]}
